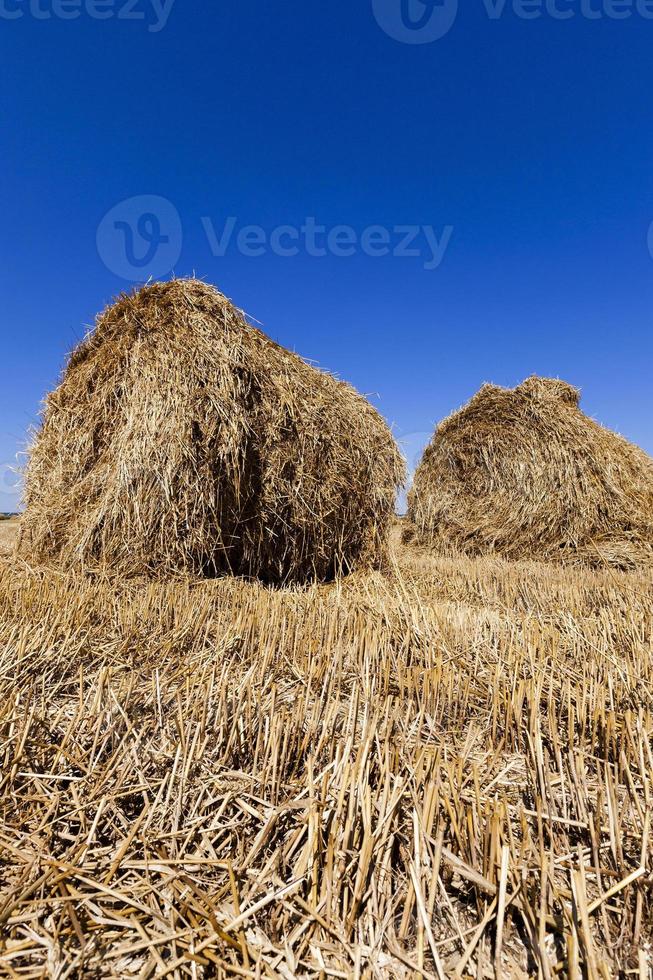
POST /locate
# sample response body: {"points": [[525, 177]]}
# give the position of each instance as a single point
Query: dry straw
{"points": [[447, 771], [524, 473], [181, 438]]}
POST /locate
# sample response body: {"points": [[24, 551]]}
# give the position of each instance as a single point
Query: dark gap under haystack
{"points": [[524, 473], [181, 438]]}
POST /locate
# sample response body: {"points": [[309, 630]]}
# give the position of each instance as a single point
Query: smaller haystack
{"points": [[524, 473], [183, 439]]}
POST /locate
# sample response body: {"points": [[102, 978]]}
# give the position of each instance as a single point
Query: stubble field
{"points": [[443, 771], [8, 532]]}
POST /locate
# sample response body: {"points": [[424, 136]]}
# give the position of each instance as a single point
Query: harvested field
{"points": [[447, 771]]}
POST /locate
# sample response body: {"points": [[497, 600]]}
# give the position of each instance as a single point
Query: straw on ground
{"points": [[446, 771]]}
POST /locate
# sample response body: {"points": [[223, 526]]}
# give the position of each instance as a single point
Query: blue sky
{"points": [[511, 158]]}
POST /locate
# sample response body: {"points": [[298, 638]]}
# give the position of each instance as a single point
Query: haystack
{"points": [[524, 473], [181, 438]]}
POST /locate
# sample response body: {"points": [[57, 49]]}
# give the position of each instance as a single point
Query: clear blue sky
{"points": [[531, 138]]}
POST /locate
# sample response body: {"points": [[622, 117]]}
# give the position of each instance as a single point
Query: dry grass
{"points": [[445, 772], [523, 472], [8, 534], [181, 438]]}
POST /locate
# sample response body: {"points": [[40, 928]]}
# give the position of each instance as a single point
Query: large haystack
{"points": [[183, 439], [524, 473]]}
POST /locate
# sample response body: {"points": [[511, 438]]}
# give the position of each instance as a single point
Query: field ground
{"points": [[447, 771], [8, 532]]}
